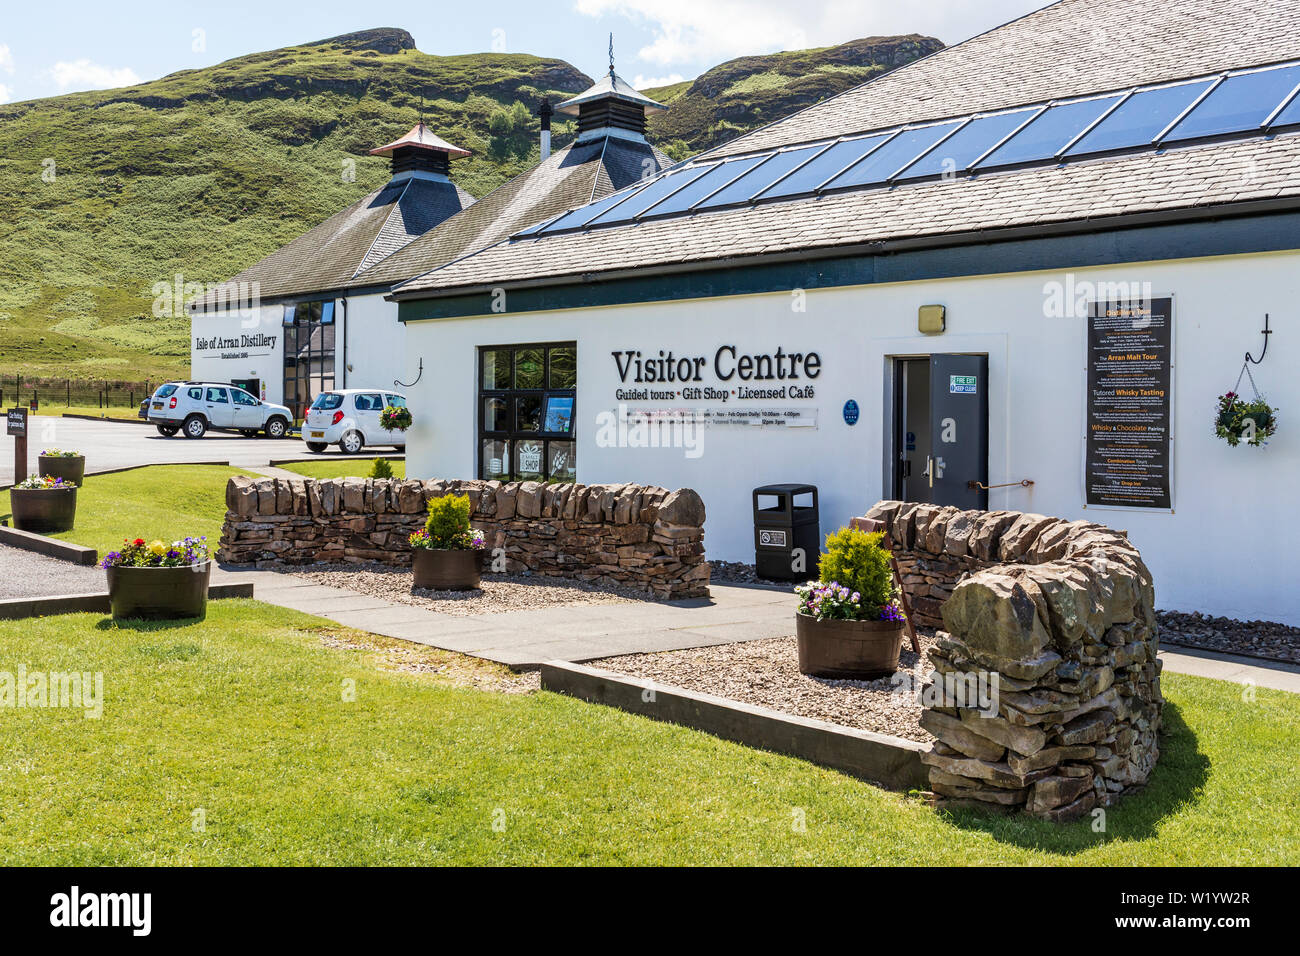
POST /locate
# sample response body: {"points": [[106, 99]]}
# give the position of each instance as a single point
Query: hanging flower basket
{"points": [[395, 419], [1239, 420]]}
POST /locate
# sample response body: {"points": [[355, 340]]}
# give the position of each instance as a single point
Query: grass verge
{"points": [[265, 736], [327, 468], [159, 501]]}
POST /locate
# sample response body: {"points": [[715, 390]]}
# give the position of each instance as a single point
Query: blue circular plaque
{"points": [[850, 412]]}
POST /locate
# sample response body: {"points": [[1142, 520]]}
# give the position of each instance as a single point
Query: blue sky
{"points": [[47, 49]]}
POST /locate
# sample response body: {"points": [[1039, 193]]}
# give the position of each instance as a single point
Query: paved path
{"points": [[527, 638], [111, 445], [590, 631], [24, 574]]}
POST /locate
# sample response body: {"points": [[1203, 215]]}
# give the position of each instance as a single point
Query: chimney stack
{"points": [[420, 155], [545, 112]]}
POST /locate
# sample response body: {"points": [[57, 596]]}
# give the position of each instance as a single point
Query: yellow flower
{"points": [[158, 548]]}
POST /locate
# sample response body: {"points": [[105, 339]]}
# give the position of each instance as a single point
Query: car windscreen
{"points": [[165, 391], [328, 401]]}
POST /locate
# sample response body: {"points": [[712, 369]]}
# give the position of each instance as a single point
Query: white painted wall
{"points": [[375, 345], [226, 364], [1226, 548]]}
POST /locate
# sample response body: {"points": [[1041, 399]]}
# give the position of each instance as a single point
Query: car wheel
{"points": [[166, 431], [316, 446], [276, 427], [351, 443], [195, 427]]}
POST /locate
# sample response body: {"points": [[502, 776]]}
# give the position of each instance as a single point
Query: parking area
{"points": [[112, 445]]}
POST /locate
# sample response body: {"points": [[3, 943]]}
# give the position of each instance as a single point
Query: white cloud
{"points": [[6, 93], [650, 82], [6, 58], [85, 75], [705, 32]]}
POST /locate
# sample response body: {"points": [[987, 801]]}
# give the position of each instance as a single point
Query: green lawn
{"points": [[161, 501], [335, 468], [240, 722]]}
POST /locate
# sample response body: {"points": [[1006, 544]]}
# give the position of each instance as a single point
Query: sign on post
{"points": [[16, 426]]}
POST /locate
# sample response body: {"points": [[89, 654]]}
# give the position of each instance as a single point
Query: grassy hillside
{"points": [[752, 91], [203, 172]]}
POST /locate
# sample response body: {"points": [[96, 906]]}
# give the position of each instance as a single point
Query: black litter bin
{"points": [[783, 526]]}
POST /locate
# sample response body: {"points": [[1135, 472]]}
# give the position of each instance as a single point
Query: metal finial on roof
{"points": [[611, 53]]}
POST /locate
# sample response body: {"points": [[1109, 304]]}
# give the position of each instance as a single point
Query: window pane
{"points": [[327, 313], [496, 368], [966, 145], [528, 413], [496, 460], [825, 166], [715, 178], [396, 401], [762, 176], [561, 457], [1044, 137], [288, 315], [528, 460], [891, 157], [1140, 119], [564, 368], [1239, 104], [217, 395], [1289, 116], [496, 415], [657, 190], [579, 216], [530, 368]]}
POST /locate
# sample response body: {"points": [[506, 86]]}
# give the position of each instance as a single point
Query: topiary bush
{"points": [[381, 469], [856, 560], [448, 523]]}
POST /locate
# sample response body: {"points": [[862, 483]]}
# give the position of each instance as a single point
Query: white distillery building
{"points": [[1017, 274], [322, 319]]}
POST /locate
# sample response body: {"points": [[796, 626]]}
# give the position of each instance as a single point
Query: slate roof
{"points": [[1069, 48], [610, 87], [1073, 47], [570, 177], [331, 255]]}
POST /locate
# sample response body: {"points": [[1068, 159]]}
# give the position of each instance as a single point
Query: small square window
{"points": [[530, 368]]}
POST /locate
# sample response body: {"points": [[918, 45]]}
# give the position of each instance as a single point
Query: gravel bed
{"points": [[499, 592], [1264, 639], [25, 574], [738, 572], [766, 673]]}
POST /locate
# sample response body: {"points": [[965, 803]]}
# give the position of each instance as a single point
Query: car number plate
{"points": [[157, 404], [317, 434]]}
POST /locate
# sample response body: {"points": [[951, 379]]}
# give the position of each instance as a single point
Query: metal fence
{"points": [[70, 393]]}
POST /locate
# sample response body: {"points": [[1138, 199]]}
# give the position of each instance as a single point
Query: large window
{"points": [[308, 354], [527, 399]]}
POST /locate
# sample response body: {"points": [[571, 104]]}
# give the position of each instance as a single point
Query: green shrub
{"points": [[448, 522], [856, 560], [381, 469]]}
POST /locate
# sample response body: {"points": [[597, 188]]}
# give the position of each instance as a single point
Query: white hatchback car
{"points": [[192, 408], [349, 418]]}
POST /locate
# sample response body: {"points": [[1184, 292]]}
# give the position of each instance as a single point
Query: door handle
{"points": [[929, 469]]}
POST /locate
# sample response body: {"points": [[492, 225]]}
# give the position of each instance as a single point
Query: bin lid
{"points": [[786, 489]]}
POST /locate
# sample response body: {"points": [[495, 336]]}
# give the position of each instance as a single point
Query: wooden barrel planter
{"points": [[43, 510], [69, 468], [858, 649], [159, 593], [451, 570]]}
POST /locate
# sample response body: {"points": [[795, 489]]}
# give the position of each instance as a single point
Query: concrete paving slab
{"points": [[1233, 667]]}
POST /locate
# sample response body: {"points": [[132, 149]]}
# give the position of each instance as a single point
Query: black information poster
{"points": [[1130, 365]]}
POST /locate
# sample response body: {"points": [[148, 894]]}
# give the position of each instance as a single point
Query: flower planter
{"points": [[69, 468], [450, 570], [857, 649], [159, 592], [43, 510]]}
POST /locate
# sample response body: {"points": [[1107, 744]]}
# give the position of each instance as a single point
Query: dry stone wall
{"points": [[646, 538], [1059, 616]]}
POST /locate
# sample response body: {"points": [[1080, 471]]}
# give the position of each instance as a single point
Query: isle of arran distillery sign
{"points": [[1129, 404]]}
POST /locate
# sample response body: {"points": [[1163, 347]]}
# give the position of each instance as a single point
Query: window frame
{"points": [[513, 434]]}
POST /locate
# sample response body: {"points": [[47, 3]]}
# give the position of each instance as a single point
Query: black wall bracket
{"points": [[1266, 332]]}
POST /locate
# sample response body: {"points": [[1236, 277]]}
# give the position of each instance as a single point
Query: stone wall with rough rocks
{"points": [[1062, 613], [646, 538]]}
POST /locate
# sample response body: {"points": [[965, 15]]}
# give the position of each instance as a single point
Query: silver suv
{"points": [[191, 408]]}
